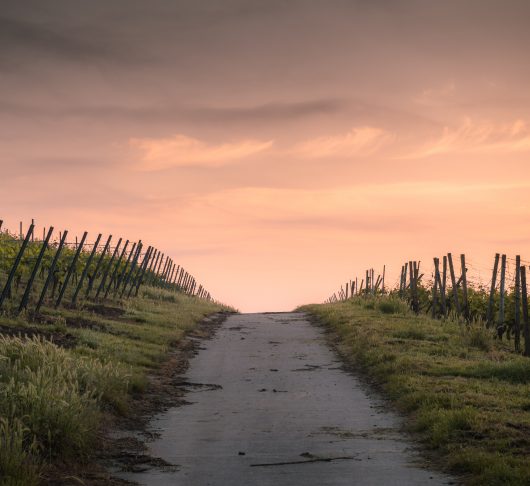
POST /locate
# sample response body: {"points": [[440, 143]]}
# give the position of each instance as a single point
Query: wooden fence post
{"points": [[133, 266], [464, 286], [169, 282], [98, 266], [85, 270], [141, 279], [441, 284], [411, 284], [25, 297], [70, 270], [152, 267], [116, 268], [444, 276], [453, 282], [500, 322], [135, 274], [405, 273], [489, 315], [51, 271], [135, 282], [14, 268], [517, 323], [526, 330], [157, 272], [122, 274], [442, 288], [180, 277], [435, 289], [416, 301], [105, 275]]}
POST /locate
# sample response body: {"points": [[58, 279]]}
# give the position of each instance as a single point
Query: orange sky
{"points": [[274, 149]]}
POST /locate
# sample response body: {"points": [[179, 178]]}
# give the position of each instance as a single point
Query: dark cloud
{"points": [[21, 167], [18, 34], [25, 42], [266, 112], [270, 111], [356, 111]]}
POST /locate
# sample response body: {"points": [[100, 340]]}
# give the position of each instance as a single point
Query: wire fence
{"points": [[55, 271], [496, 296]]}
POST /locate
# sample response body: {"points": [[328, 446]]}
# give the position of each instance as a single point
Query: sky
{"points": [[275, 149]]}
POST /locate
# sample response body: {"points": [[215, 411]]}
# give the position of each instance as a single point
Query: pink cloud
{"points": [[478, 137], [358, 141], [180, 151]]}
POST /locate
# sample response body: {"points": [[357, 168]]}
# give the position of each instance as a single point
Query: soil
{"points": [[106, 310], [64, 340], [121, 442]]}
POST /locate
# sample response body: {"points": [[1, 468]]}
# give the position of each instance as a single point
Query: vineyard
{"points": [[450, 350], [52, 272], [446, 293], [82, 327]]}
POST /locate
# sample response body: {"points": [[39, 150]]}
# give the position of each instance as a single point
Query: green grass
{"points": [[53, 394], [465, 394]]}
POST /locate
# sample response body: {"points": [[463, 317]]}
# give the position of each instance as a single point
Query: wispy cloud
{"points": [[34, 39], [436, 95], [183, 151], [358, 141], [163, 113], [476, 137]]}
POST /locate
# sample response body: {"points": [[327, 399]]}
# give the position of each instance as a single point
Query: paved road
{"points": [[268, 395]]}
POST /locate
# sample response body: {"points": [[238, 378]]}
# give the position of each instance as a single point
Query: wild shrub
{"points": [[18, 451], [478, 336], [50, 399], [392, 306], [411, 333], [442, 425]]}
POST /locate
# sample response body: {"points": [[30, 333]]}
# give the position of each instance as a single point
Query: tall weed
{"points": [[50, 399]]}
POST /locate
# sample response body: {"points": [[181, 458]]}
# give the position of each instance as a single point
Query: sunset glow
{"points": [[274, 149]]}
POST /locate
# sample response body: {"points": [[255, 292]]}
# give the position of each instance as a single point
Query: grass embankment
{"points": [[77, 365], [465, 393]]}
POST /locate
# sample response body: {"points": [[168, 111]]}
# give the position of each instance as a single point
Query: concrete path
{"points": [[272, 406]]}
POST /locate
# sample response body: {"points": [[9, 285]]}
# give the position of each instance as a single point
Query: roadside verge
{"points": [[70, 378], [465, 395]]}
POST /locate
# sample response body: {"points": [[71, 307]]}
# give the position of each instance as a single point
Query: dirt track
{"points": [[271, 405]]}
